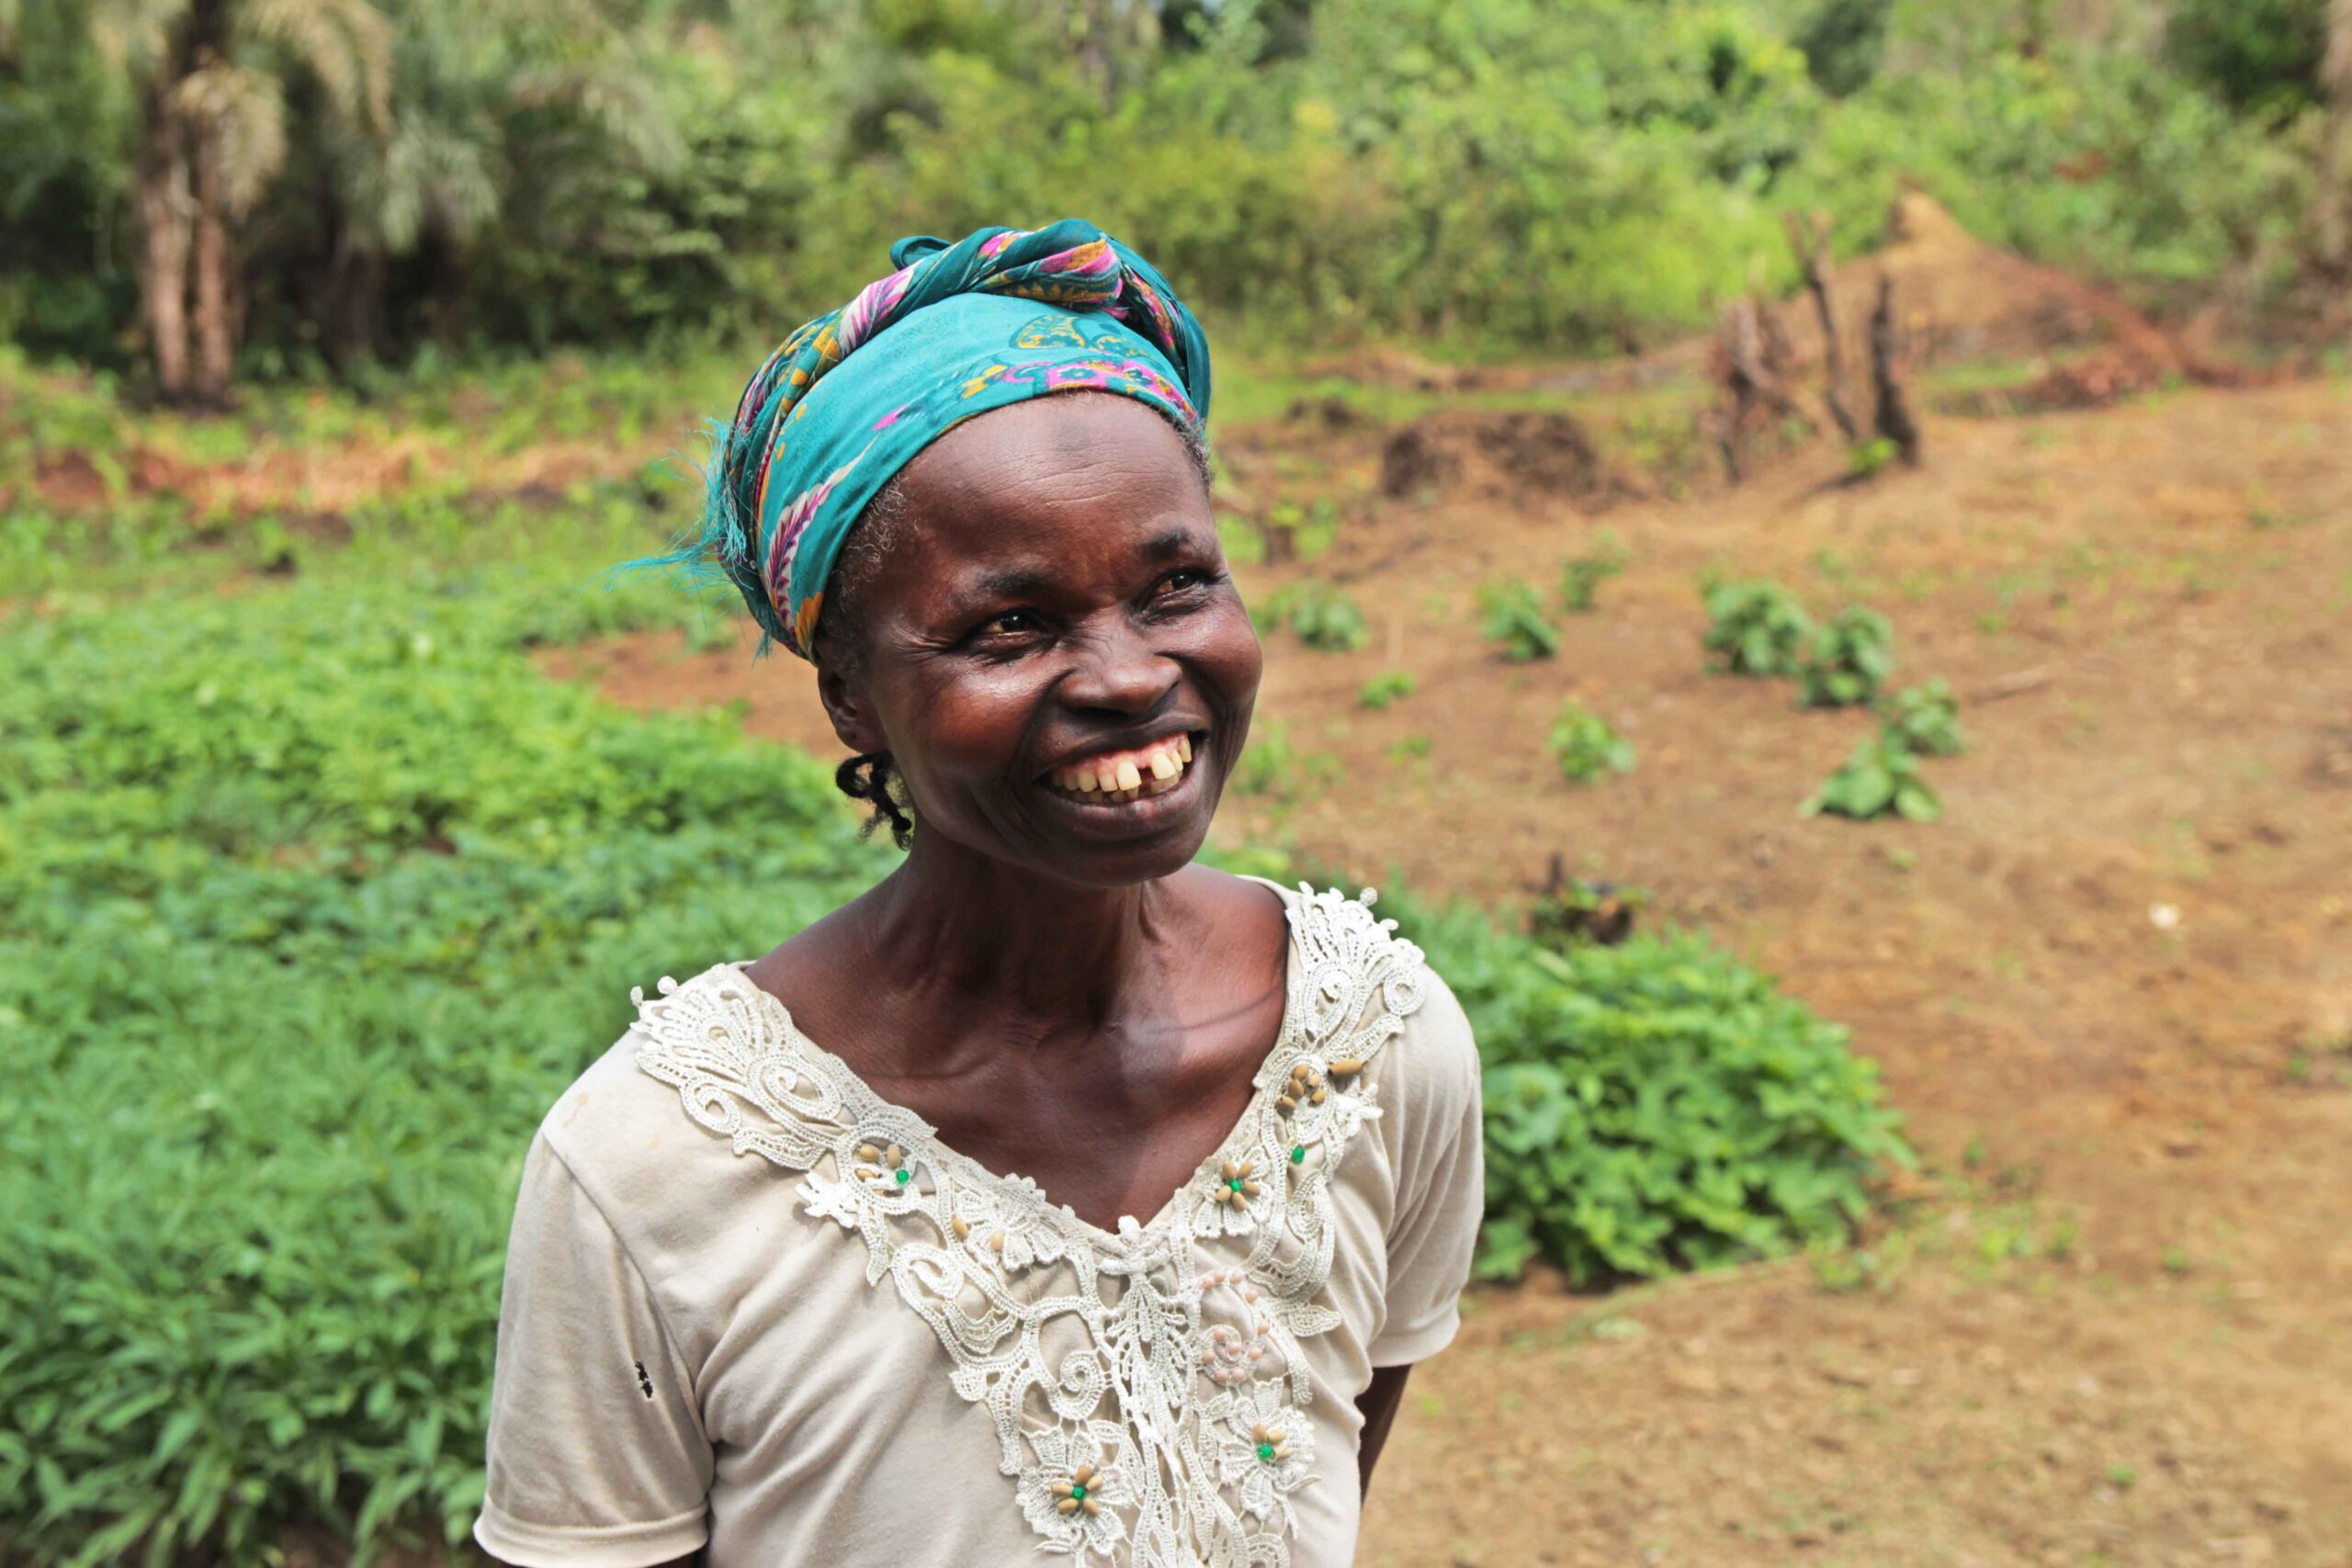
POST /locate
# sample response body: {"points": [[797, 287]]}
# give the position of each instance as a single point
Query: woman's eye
{"points": [[1188, 577], [1013, 623]]}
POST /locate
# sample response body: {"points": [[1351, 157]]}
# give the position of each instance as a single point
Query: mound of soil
{"points": [[1526, 457]]}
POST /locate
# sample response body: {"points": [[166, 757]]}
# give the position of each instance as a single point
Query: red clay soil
{"points": [[2112, 989]]}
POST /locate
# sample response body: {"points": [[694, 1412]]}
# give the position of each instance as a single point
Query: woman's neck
{"points": [[954, 929]]}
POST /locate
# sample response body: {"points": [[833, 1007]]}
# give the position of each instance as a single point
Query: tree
{"points": [[2335, 132], [209, 78]]}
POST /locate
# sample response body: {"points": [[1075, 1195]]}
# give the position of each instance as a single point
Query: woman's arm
{"points": [[1378, 1402]]}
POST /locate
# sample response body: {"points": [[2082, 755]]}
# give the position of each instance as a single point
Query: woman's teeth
{"points": [[1128, 775]]}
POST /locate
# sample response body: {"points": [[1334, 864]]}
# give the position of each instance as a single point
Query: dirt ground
{"points": [[2111, 1323]]}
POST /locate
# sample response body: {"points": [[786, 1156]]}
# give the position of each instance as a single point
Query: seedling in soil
{"points": [[1515, 618], [1926, 717], [1325, 618], [1881, 779], [1386, 689], [1846, 661], [1581, 576], [1586, 747], [1756, 629]]}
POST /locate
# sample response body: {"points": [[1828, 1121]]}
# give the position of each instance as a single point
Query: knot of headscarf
{"points": [[999, 317]]}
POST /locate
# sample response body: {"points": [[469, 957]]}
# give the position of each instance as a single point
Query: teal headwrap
{"points": [[1000, 317]]}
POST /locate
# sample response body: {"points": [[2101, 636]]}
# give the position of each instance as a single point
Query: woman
{"points": [[1057, 1193]]}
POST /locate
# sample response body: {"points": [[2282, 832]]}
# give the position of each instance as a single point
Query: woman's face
{"points": [[1055, 659]]}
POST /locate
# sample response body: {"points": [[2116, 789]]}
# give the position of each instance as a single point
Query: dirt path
{"points": [[2112, 989]]}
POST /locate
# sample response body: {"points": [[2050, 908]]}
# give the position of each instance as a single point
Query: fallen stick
{"points": [[2013, 686]]}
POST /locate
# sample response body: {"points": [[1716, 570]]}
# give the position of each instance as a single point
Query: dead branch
{"points": [[1894, 419], [1809, 242]]}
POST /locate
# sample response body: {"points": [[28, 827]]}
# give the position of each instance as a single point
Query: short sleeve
{"points": [[597, 1454], [1430, 1086]]}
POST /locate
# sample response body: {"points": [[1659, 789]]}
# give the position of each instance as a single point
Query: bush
{"points": [[1882, 778], [1653, 1106], [1514, 618], [1925, 719], [1846, 659], [1325, 618], [1586, 747], [1755, 629]]}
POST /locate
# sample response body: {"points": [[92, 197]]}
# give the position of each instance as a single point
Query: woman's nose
{"points": [[1118, 669]]}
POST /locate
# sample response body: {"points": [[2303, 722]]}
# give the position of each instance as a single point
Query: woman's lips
{"points": [[1135, 773]]}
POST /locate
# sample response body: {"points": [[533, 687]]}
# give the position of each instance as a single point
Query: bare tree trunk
{"points": [[162, 201], [1896, 421], [215, 333], [2334, 157], [1809, 241]]}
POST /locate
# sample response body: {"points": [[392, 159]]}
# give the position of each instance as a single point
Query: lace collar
{"points": [[1174, 1435]]}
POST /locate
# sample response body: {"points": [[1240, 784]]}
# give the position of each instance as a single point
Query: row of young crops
{"points": [[312, 897]]}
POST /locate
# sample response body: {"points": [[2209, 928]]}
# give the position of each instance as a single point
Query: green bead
{"points": [[1235, 1184], [1298, 1155], [1077, 1491], [904, 1177], [1266, 1452]]}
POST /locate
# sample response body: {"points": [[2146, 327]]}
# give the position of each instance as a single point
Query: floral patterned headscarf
{"points": [[999, 317]]}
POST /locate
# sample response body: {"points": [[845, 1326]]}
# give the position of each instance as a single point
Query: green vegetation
{"points": [[304, 926], [1846, 659], [1512, 614], [1278, 768], [1585, 746], [1581, 576], [1925, 718], [1756, 629], [1387, 689], [1325, 618], [1653, 1106], [412, 179], [1882, 778]]}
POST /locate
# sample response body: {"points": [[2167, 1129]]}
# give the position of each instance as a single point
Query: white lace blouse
{"points": [[752, 1305]]}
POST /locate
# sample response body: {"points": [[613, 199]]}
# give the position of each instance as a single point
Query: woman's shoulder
{"points": [[629, 1138], [1347, 944]]}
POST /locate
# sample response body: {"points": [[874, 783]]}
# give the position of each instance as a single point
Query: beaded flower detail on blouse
{"points": [[1148, 1389]]}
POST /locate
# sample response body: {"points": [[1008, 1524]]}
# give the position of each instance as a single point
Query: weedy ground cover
{"points": [[304, 926]]}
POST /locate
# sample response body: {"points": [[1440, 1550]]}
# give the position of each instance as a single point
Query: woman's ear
{"points": [[844, 697]]}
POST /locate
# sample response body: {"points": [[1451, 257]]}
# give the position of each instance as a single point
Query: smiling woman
{"points": [[1171, 1175]]}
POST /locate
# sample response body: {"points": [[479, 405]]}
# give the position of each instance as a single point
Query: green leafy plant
{"points": [[1927, 718], [1513, 617], [1653, 1105], [1585, 746], [1755, 629], [1882, 778], [1387, 689], [1581, 576], [1846, 660], [1323, 616]]}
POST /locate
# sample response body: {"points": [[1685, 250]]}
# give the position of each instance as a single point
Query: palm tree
{"points": [[210, 77]]}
